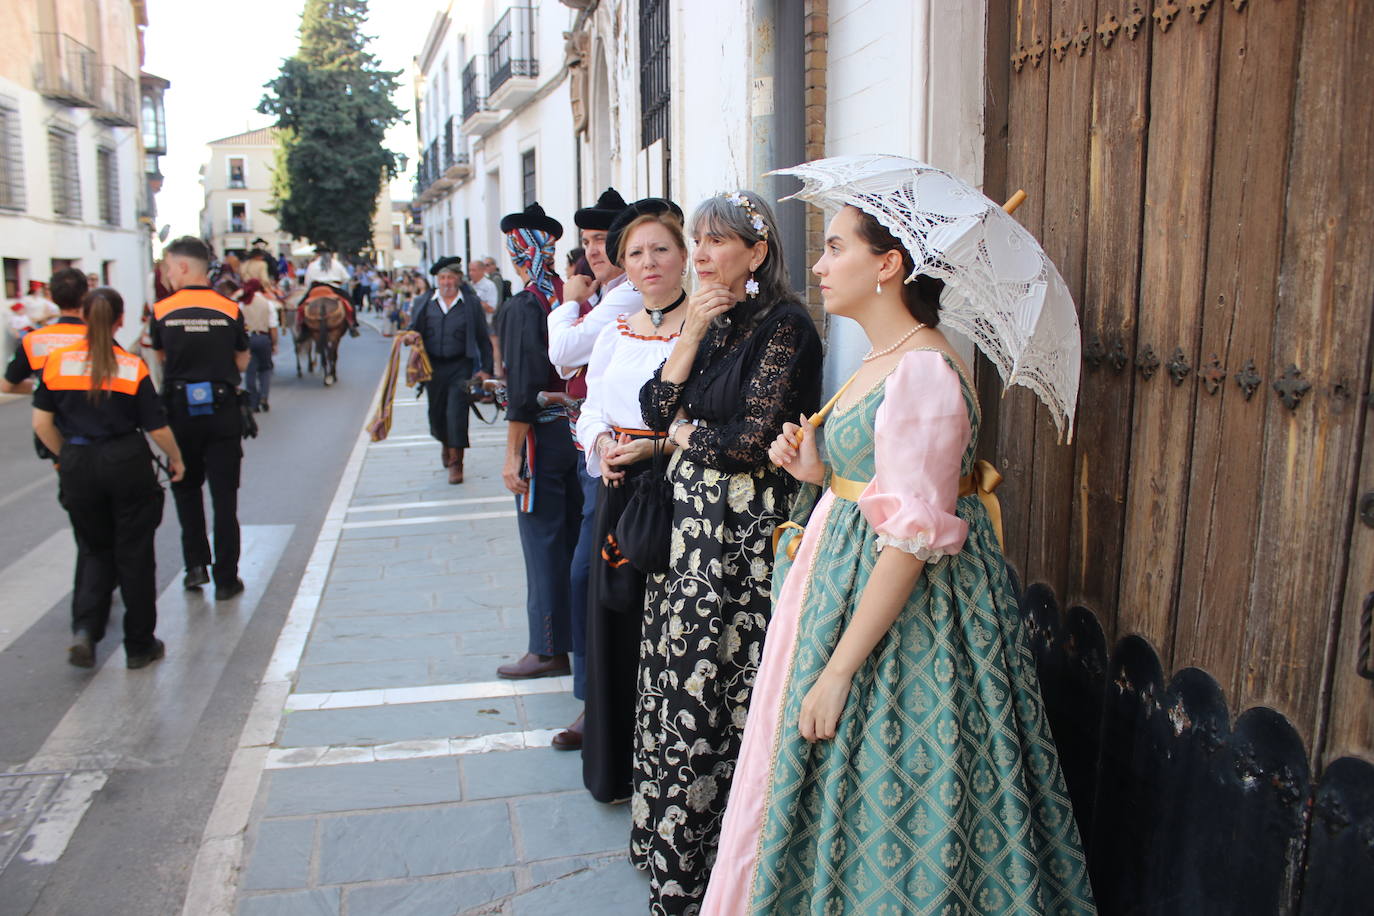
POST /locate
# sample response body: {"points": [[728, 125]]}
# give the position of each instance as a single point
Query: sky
{"points": [[218, 57]]}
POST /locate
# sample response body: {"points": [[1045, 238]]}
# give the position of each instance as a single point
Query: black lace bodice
{"points": [[748, 378]]}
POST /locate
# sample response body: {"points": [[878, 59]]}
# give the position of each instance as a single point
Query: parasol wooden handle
{"points": [[1014, 201]]}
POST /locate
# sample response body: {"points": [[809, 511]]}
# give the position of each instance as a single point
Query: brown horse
{"points": [[324, 319]]}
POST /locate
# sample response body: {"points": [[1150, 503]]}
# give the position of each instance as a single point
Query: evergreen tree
{"points": [[333, 106]]}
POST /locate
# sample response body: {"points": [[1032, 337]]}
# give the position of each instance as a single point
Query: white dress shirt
{"points": [[571, 341], [621, 362]]}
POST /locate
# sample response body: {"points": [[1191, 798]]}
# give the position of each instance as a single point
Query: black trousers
{"points": [[213, 452], [447, 391], [115, 505]]}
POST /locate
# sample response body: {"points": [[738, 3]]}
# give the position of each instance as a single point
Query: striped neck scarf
{"points": [[533, 250]]}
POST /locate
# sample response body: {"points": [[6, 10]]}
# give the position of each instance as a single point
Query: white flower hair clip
{"points": [[755, 219]]}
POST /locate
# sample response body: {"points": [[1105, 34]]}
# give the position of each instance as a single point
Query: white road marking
{"points": [[141, 718], [428, 519], [34, 583], [291, 757], [430, 504], [50, 834], [214, 875], [433, 693]]}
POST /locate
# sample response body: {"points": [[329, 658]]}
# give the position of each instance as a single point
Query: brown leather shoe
{"points": [[531, 665], [570, 738], [455, 467], [446, 455]]}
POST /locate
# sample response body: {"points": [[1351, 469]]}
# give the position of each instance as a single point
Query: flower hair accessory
{"points": [[744, 203]]}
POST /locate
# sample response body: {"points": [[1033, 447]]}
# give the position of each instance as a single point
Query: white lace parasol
{"points": [[1001, 290]]}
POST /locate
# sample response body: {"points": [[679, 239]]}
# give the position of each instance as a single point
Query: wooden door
{"points": [[1196, 565]]}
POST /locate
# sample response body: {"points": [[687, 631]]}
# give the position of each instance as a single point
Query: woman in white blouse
{"points": [[647, 241]]}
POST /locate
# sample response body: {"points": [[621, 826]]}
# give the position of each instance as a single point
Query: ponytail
{"points": [[101, 308]]}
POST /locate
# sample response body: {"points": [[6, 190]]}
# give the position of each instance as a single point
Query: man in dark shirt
{"points": [[453, 326], [202, 343], [541, 461]]}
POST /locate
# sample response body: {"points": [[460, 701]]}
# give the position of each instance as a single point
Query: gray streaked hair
{"points": [[720, 216]]}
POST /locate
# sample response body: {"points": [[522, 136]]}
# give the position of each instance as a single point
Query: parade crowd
{"points": [[806, 675]]}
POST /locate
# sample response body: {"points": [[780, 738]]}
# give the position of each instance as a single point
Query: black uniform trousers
{"points": [[115, 504], [212, 452], [548, 536], [447, 391]]}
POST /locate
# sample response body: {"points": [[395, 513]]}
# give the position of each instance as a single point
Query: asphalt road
{"points": [[134, 759]]}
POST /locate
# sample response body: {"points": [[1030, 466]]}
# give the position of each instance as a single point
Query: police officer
{"points": [[68, 286], [201, 340], [93, 401]]}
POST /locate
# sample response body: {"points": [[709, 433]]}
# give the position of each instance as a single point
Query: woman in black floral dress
{"points": [[748, 360]]}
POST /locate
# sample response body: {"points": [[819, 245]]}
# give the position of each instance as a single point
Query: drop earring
{"points": [[879, 289], [751, 286]]}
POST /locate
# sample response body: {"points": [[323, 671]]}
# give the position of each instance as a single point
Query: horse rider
{"points": [[453, 326], [329, 270], [94, 405], [202, 342]]}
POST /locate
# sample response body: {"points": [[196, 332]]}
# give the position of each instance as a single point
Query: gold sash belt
{"points": [[983, 480]]}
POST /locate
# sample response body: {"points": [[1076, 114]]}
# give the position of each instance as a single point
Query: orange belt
{"points": [[983, 480], [638, 433]]}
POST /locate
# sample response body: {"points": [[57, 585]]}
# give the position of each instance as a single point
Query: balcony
{"points": [[478, 116], [118, 99], [457, 164], [66, 70], [154, 115], [239, 225], [514, 66]]}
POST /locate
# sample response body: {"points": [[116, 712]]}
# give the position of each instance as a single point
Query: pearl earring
{"points": [[879, 289]]}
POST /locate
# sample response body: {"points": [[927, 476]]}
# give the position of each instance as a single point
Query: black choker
{"points": [[656, 315]]}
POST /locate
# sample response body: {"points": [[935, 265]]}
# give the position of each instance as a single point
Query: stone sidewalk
{"points": [[405, 778]]}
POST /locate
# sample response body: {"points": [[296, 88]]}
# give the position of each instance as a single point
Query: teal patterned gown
{"points": [[941, 793]]}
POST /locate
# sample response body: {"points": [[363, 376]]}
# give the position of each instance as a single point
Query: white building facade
{"points": [[687, 98], [495, 125], [77, 174]]}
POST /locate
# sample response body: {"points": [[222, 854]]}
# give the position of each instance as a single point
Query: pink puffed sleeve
{"points": [[920, 434]]}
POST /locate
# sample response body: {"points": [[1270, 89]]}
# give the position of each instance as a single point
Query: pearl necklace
{"points": [[874, 354]]}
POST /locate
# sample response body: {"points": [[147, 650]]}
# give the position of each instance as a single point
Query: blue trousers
{"points": [[581, 577], [548, 536]]}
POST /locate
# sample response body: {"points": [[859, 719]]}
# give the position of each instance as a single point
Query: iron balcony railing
{"points": [[448, 143], [240, 225], [511, 47], [474, 99], [455, 146], [118, 99], [67, 70]]}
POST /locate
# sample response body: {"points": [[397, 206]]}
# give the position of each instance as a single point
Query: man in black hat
{"points": [[260, 252], [541, 462], [453, 326], [588, 306]]}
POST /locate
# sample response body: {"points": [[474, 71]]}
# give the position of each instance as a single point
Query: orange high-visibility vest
{"points": [[195, 299], [42, 341], [69, 369]]}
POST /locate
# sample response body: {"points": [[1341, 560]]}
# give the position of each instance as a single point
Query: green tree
{"points": [[333, 106]]}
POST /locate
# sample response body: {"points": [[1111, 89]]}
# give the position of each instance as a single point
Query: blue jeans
{"points": [[258, 377], [581, 576]]}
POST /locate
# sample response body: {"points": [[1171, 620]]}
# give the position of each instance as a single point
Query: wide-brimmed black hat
{"points": [[632, 212], [451, 261], [532, 217], [259, 241], [601, 214]]}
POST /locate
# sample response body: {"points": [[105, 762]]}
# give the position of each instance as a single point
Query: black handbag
{"points": [[644, 532]]}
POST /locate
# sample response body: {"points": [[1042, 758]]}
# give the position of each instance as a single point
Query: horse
{"points": [[324, 321]]}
